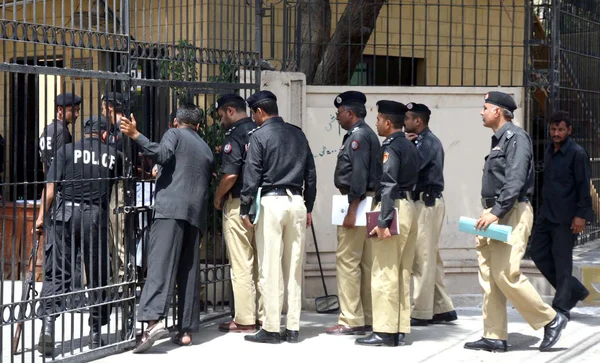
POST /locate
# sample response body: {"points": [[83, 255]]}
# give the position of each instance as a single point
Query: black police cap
{"points": [[418, 108], [391, 107], [67, 99], [95, 124], [227, 98], [259, 97], [114, 98], [501, 99], [350, 98]]}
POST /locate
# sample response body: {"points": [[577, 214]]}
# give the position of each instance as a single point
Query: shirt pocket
{"points": [[497, 161]]}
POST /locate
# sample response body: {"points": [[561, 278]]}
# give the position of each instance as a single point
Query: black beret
{"points": [[114, 98], [259, 97], [350, 98], [501, 99], [391, 107], [227, 98], [67, 99], [95, 124], [418, 108]]}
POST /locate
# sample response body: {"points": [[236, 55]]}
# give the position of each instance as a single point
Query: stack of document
{"points": [[339, 209], [494, 231]]}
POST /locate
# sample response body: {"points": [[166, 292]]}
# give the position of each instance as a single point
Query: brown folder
{"points": [[372, 219]]}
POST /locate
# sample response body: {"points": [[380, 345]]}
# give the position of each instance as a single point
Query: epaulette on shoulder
{"points": [[509, 134], [296, 126], [253, 130], [387, 141], [229, 131]]}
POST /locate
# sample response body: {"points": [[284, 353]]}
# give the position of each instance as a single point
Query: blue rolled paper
{"points": [[495, 231]]}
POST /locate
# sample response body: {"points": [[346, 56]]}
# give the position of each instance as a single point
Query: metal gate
{"points": [[563, 62], [156, 54]]}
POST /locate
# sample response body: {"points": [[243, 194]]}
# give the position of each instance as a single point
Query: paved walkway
{"points": [[441, 343]]}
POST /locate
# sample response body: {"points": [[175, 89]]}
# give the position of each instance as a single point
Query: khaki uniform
{"points": [[392, 262], [501, 278], [280, 244], [430, 295], [353, 264], [241, 249]]}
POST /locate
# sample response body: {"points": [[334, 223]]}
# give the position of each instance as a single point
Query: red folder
{"points": [[372, 221]]}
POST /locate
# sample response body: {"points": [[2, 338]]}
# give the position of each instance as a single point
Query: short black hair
{"points": [[188, 113], [559, 116], [359, 111], [397, 120], [423, 116], [237, 104], [269, 107]]}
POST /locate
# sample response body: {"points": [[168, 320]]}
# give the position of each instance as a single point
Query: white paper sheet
{"points": [[339, 208]]}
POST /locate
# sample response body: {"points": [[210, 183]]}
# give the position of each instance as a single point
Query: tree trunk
{"points": [[315, 26], [348, 42]]}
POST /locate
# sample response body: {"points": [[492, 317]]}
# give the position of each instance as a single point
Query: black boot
{"points": [[46, 340], [95, 339], [552, 331], [490, 345], [379, 339]]}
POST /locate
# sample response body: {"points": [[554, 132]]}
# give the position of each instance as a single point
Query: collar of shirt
{"points": [[502, 130], [395, 135], [272, 120], [423, 133], [563, 148], [360, 123], [239, 123]]}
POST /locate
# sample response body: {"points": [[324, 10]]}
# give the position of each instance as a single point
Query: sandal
{"points": [[151, 335], [180, 339]]}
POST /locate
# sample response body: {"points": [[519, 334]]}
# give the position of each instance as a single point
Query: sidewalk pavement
{"points": [[434, 343]]}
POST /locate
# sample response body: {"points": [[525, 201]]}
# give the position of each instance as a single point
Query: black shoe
{"points": [[379, 339], [264, 336], [290, 336], [420, 322], [95, 339], [552, 331], [45, 343], [444, 317], [490, 345]]}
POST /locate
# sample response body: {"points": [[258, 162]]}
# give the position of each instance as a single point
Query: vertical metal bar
{"points": [[412, 55], [462, 43], [500, 46], [555, 62], [450, 47], [475, 47], [425, 45], [437, 58], [401, 33], [258, 23], [512, 41], [387, 44], [487, 47]]}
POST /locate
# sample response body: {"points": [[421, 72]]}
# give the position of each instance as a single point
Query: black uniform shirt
{"points": [[431, 176], [508, 169], [54, 136], [278, 157], [234, 152], [401, 164], [356, 169], [85, 172], [184, 179], [566, 189]]}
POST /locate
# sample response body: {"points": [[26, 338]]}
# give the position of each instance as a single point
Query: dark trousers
{"points": [[173, 258], [85, 232], [552, 251]]}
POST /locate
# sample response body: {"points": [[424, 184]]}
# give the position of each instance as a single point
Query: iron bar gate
{"points": [[156, 54]]}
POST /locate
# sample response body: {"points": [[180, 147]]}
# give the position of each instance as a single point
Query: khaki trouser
{"points": [[501, 278], [280, 235], [117, 230], [353, 270], [390, 277], [241, 249], [429, 294]]}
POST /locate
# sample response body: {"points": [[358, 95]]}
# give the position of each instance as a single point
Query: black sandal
{"points": [[177, 339], [151, 335]]}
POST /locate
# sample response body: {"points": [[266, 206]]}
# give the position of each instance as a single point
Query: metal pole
{"points": [[555, 62]]}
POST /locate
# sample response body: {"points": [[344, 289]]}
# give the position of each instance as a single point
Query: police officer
{"points": [[393, 254], [567, 205], [431, 303], [179, 217], [113, 104], [282, 178], [356, 175], [85, 171], [239, 239], [506, 188], [57, 133]]}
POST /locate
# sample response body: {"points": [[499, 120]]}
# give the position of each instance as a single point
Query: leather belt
{"points": [[490, 202], [403, 194], [280, 192], [345, 191], [417, 195]]}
